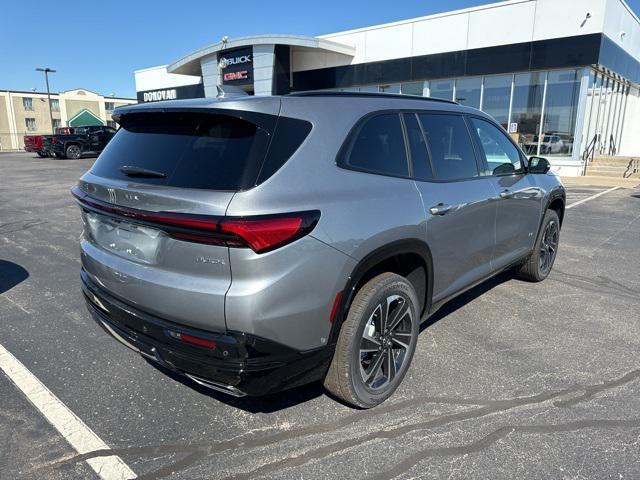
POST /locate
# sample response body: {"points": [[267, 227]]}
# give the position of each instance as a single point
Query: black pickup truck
{"points": [[84, 140]]}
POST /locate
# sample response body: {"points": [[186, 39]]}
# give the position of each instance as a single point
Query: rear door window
{"points": [[450, 146], [378, 147], [192, 150]]}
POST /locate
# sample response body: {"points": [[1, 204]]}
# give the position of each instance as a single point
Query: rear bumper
{"points": [[240, 364]]}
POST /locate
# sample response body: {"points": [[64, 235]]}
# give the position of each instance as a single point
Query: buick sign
{"points": [[227, 61], [236, 66]]}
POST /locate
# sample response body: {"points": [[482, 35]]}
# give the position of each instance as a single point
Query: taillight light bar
{"points": [[261, 233]]}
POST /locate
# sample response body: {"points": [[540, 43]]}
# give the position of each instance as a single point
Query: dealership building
{"points": [[562, 76]]}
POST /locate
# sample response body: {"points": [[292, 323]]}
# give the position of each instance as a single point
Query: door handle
{"points": [[440, 209], [507, 194]]}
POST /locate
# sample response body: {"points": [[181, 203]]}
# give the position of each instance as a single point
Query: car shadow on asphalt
{"points": [[11, 274], [469, 296]]}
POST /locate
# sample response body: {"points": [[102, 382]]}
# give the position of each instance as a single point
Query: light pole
{"points": [[47, 71]]}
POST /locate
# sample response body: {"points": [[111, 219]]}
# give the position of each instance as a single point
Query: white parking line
{"points": [[74, 430], [591, 197]]}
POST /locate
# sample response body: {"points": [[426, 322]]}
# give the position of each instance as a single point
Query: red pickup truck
{"points": [[39, 143]]}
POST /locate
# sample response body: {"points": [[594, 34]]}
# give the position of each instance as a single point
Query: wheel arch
{"points": [[397, 257]]}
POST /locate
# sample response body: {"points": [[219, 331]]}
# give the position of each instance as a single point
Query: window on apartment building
{"points": [[55, 105], [27, 103], [108, 106], [57, 123], [30, 124]]}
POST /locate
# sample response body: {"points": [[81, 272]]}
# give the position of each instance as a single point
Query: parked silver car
{"points": [[260, 243]]}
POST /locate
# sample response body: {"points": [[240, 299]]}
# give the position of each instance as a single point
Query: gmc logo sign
{"points": [[241, 75]]}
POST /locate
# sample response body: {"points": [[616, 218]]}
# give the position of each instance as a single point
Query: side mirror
{"points": [[539, 165]]}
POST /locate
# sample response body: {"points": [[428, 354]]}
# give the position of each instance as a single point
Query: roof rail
{"points": [[320, 93]]}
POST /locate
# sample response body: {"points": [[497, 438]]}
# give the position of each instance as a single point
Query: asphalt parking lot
{"points": [[512, 380]]}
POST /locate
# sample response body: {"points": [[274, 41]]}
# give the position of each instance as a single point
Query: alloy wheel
{"points": [[73, 152], [549, 246], [385, 342]]}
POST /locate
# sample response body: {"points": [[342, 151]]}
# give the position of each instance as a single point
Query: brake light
{"points": [[261, 233], [264, 234]]}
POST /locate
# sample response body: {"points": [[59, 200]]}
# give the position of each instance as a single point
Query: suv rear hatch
{"points": [[154, 202]]}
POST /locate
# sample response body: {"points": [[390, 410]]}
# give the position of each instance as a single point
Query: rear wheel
{"points": [[539, 264], [376, 342], [73, 151]]}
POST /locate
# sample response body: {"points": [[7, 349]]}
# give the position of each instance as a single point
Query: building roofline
{"points": [[427, 17], [186, 64], [449, 14]]}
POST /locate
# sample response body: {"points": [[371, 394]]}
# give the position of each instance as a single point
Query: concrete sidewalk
{"points": [[602, 181]]}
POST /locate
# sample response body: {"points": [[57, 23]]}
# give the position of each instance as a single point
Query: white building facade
{"points": [[562, 76]]}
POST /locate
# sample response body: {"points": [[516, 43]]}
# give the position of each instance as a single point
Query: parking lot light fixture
{"points": [[47, 71]]}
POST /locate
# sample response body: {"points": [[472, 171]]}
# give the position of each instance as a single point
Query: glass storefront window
{"points": [[369, 88], [496, 97], [468, 91], [415, 88], [394, 88], [560, 111], [526, 110], [442, 89]]}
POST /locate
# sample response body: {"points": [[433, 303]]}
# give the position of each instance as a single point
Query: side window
{"points": [[418, 148], [450, 146], [502, 156], [378, 147]]}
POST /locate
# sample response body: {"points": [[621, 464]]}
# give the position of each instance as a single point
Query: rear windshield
{"points": [[191, 150]]}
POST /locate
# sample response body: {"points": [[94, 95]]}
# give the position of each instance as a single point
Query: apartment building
{"points": [[27, 113]]}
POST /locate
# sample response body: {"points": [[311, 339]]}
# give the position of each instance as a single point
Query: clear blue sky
{"points": [[98, 44]]}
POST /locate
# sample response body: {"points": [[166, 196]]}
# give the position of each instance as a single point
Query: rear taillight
{"points": [[54, 140], [261, 233]]}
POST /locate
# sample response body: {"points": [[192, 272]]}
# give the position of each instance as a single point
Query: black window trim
{"points": [[347, 145], [353, 132], [408, 146], [480, 151]]}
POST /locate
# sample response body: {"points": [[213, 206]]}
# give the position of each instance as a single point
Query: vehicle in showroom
{"points": [[255, 244], [88, 140]]}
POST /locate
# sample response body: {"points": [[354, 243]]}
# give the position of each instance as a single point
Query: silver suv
{"points": [[256, 244]]}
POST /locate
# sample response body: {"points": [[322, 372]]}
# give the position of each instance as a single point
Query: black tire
{"points": [[73, 151], [391, 353], [42, 155], [539, 264]]}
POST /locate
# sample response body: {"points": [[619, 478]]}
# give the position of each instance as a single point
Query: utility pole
{"points": [[47, 71]]}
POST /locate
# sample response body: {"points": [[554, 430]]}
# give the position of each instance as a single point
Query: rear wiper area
{"points": [[141, 172]]}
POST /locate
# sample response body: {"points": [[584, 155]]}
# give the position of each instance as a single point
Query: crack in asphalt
{"points": [[497, 435], [502, 406], [196, 452], [20, 225], [598, 284]]}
